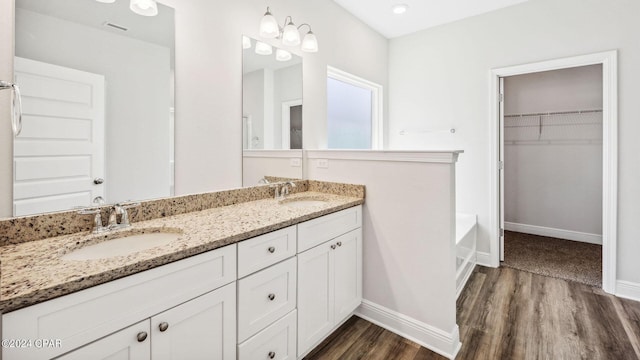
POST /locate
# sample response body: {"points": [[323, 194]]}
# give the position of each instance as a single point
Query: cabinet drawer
{"points": [[265, 296], [82, 317], [317, 231], [265, 250], [277, 342]]}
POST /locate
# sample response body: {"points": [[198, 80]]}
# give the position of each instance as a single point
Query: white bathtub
{"points": [[465, 249]]}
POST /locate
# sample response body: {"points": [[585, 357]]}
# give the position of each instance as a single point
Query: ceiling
{"points": [[422, 14], [157, 29]]}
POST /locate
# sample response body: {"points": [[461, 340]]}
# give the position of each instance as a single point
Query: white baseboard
{"points": [[628, 290], [434, 339], [465, 278], [484, 259], [556, 233]]}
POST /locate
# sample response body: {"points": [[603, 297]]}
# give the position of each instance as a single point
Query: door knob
{"points": [[98, 181]]}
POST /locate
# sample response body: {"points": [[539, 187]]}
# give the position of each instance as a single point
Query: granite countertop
{"points": [[32, 272]]}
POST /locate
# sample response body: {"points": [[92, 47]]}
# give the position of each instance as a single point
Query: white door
{"points": [[315, 295], [348, 273], [132, 343], [60, 151], [202, 328], [501, 168]]}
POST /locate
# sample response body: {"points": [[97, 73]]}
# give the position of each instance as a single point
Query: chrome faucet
{"points": [[120, 209], [113, 216], [116, 210], [284, 190], [96, 211]]}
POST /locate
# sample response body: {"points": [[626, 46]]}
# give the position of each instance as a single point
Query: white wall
{"points": [[441, 76], [408, 227], [555, 184], [573, 89], [253, 105], [287, 86], [256, 164], [137, 92]]}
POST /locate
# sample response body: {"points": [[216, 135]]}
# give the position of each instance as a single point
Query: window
{"points": [[354, 112]]}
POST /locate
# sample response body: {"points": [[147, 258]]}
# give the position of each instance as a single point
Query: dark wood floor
{"points": [[511, 314], [360, 339]]}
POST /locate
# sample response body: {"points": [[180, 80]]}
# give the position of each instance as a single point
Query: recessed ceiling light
{"points": [[400, 8]]}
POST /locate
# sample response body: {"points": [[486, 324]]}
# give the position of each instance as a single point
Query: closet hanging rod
{"points": [[538, 125], [554, 113]]}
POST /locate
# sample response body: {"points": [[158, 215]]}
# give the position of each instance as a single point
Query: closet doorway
{"points": [[555, 182]]}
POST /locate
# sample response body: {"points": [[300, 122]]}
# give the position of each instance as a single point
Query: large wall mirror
{"points": [[271, 112], [98, 89]]}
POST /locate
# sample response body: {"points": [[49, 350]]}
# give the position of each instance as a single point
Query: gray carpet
{"points": [[564, 259]]}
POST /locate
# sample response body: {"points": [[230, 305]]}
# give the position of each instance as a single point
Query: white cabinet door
{"points": [[132, 343], [315, 295], [348, 273], [202, 328]]}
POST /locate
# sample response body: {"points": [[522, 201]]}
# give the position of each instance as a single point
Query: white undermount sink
{"points": [[302, 202], [126, 244]]}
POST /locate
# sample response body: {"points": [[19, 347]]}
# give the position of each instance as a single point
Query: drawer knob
{"points": [[163, 326], [339, 243], [272, 354], [272, 297], [271, 249], [142, 336], [333, 247]]}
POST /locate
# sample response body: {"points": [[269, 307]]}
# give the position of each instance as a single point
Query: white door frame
{"points": [[286, 121], [609, 61]]}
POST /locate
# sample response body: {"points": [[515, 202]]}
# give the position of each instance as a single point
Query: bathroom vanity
{"points": [[270, 285]]}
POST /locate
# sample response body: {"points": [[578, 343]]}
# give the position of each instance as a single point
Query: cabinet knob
{"points": [[339, 243], [271, 249], [333, 247], [271, 354], [272, 297], [163, 326], [142, 336]]}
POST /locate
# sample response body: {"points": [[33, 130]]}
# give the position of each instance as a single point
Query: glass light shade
{"points": [[269, 27], [283, 55], [310, 43], [144, 7], [290, 35], [263, 49], [246, 42]]}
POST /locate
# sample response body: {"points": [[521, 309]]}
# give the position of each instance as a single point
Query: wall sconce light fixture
{"points": [[289, 34]]}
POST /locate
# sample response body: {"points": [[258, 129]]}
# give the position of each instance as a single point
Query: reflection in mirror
{"points": [[97, 83], [272, 112]]}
